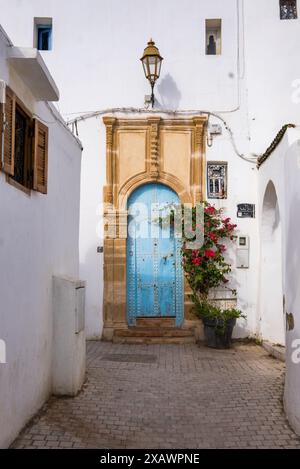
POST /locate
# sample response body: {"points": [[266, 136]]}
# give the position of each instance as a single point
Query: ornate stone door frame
{"points": [[139, 151]]}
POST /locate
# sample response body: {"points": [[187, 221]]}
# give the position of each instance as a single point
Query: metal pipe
{"points": [[152, 94]]}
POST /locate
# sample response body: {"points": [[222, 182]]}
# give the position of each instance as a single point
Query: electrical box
{"points": [[215, 129], [242, 255], [69, 346]]}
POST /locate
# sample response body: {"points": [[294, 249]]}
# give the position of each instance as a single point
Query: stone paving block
{"points": [[191, 397]]}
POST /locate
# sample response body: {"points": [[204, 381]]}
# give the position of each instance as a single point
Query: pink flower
{"points": [[213, 237], [197, 261], [210, 210], [209, 253]]}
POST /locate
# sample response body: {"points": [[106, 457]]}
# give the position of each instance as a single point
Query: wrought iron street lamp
{"points": [[152, 61]]}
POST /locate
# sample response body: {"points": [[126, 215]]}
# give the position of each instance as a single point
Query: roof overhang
{"points": [[31, 67]]}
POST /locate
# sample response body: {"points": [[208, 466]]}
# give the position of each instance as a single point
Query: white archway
{"points": [[272, 326]]}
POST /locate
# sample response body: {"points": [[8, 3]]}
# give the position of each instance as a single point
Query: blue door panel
{"points": [[154, 272], [146, 301], [166, 301]]}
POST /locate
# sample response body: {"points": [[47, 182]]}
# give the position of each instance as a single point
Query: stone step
{"points": [[157, 332], [276, 351], [154, 340], [145, 335], [156, 322]]}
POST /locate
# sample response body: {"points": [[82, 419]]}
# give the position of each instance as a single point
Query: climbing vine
{"points": [[274, 144]]}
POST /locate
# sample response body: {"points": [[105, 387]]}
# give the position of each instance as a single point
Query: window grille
{"points": [[288, 9], [217, 180]]}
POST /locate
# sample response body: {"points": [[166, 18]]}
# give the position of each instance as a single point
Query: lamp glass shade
{"points": [[151, 61]]}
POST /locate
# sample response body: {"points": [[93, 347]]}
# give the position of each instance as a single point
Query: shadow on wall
{"points": [[170, 95]]}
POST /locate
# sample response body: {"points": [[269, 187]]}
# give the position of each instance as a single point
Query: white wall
{"points": [[95, 61], [272, 68], [283, 169], [97, 45], [272, 250], [92, 134], [38, 239], [292, 287]]}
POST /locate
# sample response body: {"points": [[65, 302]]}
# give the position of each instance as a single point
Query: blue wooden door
{"points": [[154, 271]]}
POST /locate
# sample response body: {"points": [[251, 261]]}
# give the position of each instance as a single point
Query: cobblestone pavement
{"points": [[169, 396]]}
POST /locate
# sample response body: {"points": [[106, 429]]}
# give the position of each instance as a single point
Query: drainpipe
{"points": [[2, 103]]}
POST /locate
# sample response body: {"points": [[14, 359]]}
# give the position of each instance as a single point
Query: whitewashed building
{"points": [[230, 68], [39, 210]]}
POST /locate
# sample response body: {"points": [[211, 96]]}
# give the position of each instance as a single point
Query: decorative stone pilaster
{"points": [[198, 173], [154, 147], [108, 190]]}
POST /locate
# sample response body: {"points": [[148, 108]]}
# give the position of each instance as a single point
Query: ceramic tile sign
{"points": [[246, 211]]}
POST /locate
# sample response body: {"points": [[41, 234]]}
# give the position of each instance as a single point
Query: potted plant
{"points": [[218, 323], [205, 269]]}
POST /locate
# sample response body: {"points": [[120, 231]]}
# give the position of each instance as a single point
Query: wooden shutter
{"points": [[40, 157], [9, 133], [1, 130]]}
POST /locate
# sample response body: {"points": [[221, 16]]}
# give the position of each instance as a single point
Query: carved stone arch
{"points": [[167, 179]]}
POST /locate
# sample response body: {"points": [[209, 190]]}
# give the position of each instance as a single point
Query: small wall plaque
{"points": [[246, 211]]}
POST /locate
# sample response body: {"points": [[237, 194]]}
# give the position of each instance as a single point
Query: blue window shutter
{"points": [[44, 34]]}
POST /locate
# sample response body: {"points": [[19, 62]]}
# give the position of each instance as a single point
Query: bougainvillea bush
{"points": [[206, 267]]}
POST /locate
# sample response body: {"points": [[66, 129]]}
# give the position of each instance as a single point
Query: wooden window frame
{"points": [[26, 188], [9, 135], [1, 133], [40, 179], [36, 150]]}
